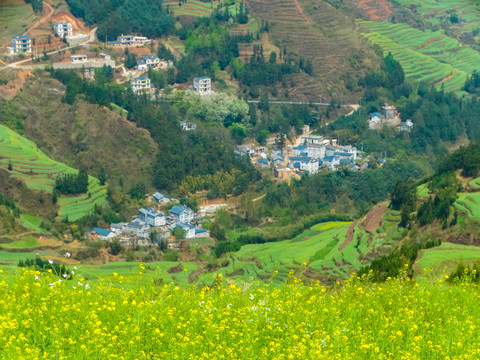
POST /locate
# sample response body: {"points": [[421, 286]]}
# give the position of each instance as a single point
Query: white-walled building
{"points": [[21, 44], [63, 29], [202, 85], [142, 85]]}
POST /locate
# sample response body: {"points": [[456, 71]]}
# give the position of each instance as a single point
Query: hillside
{"points": [[322, 34], [84, 134]]}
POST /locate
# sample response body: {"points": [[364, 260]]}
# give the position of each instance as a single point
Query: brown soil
{"points": [[373, 220], [429, 41], [350, 234], [446, 78], [77, 24], [301, 13], [378, 10], [11, 89], [175, 269]]}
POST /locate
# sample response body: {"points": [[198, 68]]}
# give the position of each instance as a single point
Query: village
{"points": [[152, 226]]}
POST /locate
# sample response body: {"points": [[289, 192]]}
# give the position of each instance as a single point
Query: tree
{"points": [[54, 196], [115, 247], [138, 191], [10, 165], [102, 176], [179, 233], [130, 60], [273, 57]]}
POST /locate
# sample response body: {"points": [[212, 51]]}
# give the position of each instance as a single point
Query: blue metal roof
{"points": [[297, 164], [375, 114], [199, 231], [329, 158], [201, 78], [263, 161], [300, 147], [179, 209], [101, 232], [141, 78], [21, 37]]}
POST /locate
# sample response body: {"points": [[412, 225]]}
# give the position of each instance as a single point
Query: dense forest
{"points": [[37, 5], [72, 183], [116, 17]]}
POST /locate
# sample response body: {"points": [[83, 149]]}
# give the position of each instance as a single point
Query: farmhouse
{"points": [[101, 234], [331, 162], [152, 217], [104, 56], [142, 85], [389, 111], [78, 58], [246, 149], [129, 40], [406, 126], [20, 44], [188, 125], [146, 62], [182, 214], [190, 229], [202, 85], [312, 140], [63, 29], [161, 198], [199, 233], [278, 159], [303, 163], [262, 162]]}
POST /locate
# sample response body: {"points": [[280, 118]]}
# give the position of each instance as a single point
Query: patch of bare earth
{"points": [[378, 10]]}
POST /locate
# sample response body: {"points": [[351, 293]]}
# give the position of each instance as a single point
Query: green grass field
{"points": [[469, 203], [428, 56], [38, 172], [196, 8]]}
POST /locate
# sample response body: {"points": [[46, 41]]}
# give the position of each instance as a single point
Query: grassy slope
{"points": [[195, 8], [38, 171]]}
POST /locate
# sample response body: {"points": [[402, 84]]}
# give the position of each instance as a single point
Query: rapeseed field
{"points": [[43, 316]]}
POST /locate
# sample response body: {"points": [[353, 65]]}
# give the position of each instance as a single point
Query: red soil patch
{"points": [[373, 220], [349, 237], [429, 41], [11, 89], [301, 13], [378, 10], [77, 24]]}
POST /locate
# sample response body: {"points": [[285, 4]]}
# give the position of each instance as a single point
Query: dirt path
{"points": [[43, 19], [373, 219], [350, 234], [446, 78], [380, 11], [428, 42], [301, 13]]}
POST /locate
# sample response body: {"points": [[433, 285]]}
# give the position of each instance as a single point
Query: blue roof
{"points": [[179, 209], [101, 232], [114, 42], [297, 164], [151, 57], [343, 154], [345, 160], [21, 37], [320, 162], [329, 158], [141, 78], [300, 147], [199, 231], [301, 159], [201, 78], [304, 154], [263, 161], [141, 63], [375, 114], [159, 196]]}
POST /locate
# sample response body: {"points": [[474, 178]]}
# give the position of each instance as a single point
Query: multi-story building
{"points": [[63, 29], [304, 164], [202, 85], [152, 217], [182, 214], [142, 85], [21, 44]]}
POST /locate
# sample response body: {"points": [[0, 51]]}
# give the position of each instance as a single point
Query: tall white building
{"points": [[21, 44], [63, 29], [202, 85]]}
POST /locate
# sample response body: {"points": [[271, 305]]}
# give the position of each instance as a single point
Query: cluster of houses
{"points": [[388, 117], [314, 153], [150, 219]]}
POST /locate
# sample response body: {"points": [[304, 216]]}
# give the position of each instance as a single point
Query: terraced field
{"points": [[436, 11], [428, 56], [38, 172], [469, 203], [319, 33], [325, 247], [15, 18], [195, 8]]}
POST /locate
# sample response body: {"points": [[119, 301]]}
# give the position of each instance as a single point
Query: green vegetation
{"points": [[115, 17], [15, 17], [38, 172], [196, 8], [428, 56]]}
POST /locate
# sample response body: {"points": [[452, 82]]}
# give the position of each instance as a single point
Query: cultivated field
{"points": [[428, 56], [46, 316], [38, 172], [196, 8], [16, 16]]}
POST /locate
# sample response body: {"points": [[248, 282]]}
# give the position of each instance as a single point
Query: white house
{"points": [[331, 162], [20, 44], [78, 58], [146, 62], [199, 233], [190, 229], [182, 214], [129, 40], [63, 29], [142, 85], [152, 217], [101, 234], [161, 198], [312, 139], [202, 85], [303, 164]]}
